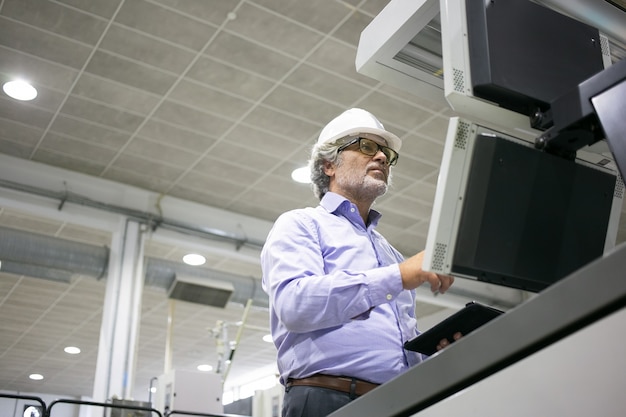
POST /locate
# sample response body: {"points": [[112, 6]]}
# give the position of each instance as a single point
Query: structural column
{"points": [[121, 315]]}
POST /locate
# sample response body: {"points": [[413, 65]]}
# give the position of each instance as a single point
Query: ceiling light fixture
{"points": [[72, 350], [268, 338], [205, 368], [194, 259], [301, 175], [36, 377], [20, 90]]}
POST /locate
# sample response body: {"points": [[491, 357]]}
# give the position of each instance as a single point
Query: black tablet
{"points": [[469, 318]]}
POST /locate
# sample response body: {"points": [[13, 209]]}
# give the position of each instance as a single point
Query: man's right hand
{"points": [[413, 276]]}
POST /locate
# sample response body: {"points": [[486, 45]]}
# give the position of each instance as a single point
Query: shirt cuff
{"points": [[385, 283]]}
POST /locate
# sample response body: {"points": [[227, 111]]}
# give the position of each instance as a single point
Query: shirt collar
{"points": [[333, 203]]}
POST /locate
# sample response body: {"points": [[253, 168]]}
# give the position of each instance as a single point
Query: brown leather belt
{"points": [[339, 383]]}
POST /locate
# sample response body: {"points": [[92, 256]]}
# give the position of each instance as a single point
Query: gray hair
{"points": [[320, 154], [326, 152]]}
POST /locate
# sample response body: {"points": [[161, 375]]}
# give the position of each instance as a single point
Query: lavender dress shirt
{"points": [[337, 305]]}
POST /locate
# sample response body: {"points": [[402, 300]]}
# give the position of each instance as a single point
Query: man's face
{"points": [[359, 176]]}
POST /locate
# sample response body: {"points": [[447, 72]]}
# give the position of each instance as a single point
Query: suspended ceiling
{"points": [[210, 101]]}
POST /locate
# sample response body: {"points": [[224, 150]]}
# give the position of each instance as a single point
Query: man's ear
{"points": [[329, 168]]}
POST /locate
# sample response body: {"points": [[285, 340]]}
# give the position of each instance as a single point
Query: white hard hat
{"points": [[355, 121]]}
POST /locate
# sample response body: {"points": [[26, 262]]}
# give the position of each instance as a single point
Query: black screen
{"points": [[524, 56], [530, 218]]}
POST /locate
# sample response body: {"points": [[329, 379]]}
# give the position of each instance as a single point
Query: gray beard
{"points": [[368, 189]]}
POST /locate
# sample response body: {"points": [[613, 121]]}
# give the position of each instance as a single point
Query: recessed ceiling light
{"points": [[268, 338], [20, 90], [194, 259], [36, 377], [205, 368], [302, 175], [72, 350]]}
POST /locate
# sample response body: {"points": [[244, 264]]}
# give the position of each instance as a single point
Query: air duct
{"points": [[39, 256], [200, 291], [32, 254]]}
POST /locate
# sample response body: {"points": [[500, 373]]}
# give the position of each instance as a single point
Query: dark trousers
{"points": [[303, 401]]}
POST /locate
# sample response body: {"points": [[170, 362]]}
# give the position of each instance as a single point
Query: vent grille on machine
{"points": [[462, 133], [439, 256]]}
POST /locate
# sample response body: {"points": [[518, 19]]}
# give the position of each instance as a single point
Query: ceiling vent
{"points": [[200, 291]]}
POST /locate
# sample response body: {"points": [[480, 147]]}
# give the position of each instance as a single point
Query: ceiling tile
{"points": [[205, 98], [140, 47], [228, 78], [336, 56], [192, 194], [132, 73], [165, 23], [415, 209], [17, 220], [24, 113], [225, 169], [85, 234], [161, 152], [435, 128], [413, 97], [176, 135], [104, 9], [127, 176], [410, 242], [287, 166], [89, 131], [300, 130], [210, 185], [261, 141], [424, 192], [16, 149], [39, 71], [413, 168], [101, 114], [243, 156], [421, 148], [398, 113], [47, 99], [286, 186], [321, 15], [326, 85], [77, 148], [63, 160], [431, 179], [157, 169], [43, 44], [56, 18], [114, 94], [191, 118], [216, 13], [399, 220], [350, 30], [20, 132], [291, 38], [267, 208], [300, 104], [249, 56], [373, 7]]}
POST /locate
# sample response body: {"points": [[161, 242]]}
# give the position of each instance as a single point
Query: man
{"points": [[341, 297]]}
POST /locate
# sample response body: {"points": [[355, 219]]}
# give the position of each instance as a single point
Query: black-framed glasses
{"points": [[371, 148]]}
